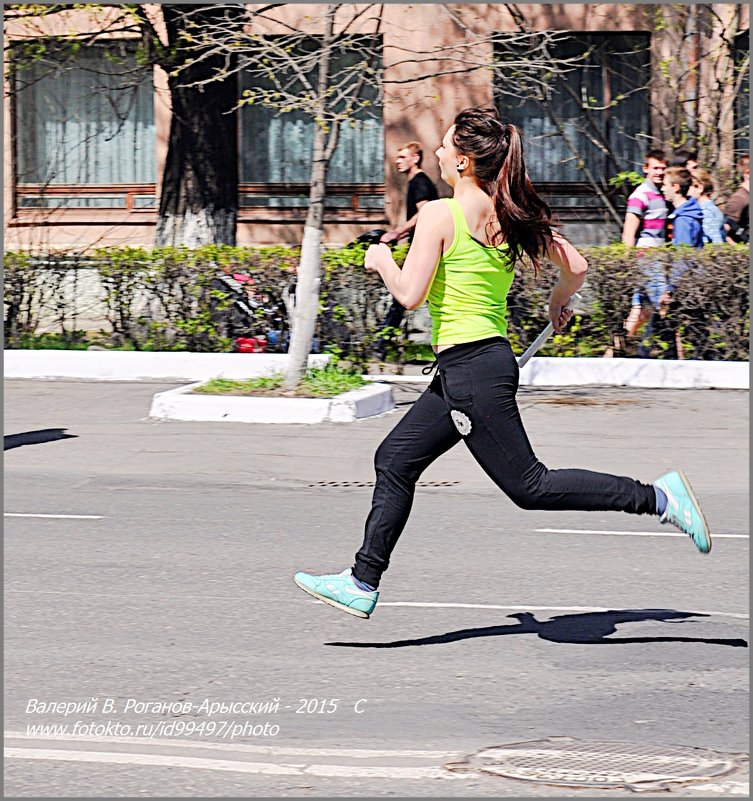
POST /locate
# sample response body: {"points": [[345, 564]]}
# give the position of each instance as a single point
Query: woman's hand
{"points": [[559, 316], [377, 256]]}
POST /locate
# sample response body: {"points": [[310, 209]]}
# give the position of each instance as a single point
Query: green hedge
{"points": [[164, 299]]}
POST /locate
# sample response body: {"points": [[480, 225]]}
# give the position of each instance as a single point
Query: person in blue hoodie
{"points": [[687, 218], [687, 229]]}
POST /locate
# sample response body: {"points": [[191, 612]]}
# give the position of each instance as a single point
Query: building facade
{"points": [[85, 147]]}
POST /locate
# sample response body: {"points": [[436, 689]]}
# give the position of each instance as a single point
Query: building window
{"points": [[276, 150], [601, 103], [84, 131]]}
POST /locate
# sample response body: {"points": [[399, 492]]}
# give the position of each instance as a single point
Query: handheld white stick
{"points": [[533, 348]]}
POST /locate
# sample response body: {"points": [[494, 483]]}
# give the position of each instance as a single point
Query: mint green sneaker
{"points": [[683, 509], [339, 590]]}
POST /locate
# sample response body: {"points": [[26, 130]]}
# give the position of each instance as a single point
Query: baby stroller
{"points": [[236, 315]]}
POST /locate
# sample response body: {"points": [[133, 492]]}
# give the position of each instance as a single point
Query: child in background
{"points": [[702, 190], [687, 216], [687, 230]]}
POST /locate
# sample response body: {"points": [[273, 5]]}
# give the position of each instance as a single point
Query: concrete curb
{"points": [[549, 371], [644, 373], [145, 366], [182, 404], [540, 371]]}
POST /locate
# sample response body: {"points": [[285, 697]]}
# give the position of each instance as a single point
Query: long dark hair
{"points": [[525, 220]]}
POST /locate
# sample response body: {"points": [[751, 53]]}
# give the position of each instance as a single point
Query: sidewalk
{"points": [[540, 371]]}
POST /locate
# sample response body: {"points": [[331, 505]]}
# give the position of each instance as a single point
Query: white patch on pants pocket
{"points": [[462, 422]]}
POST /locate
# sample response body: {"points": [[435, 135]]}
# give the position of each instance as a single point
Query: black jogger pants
{"points": [[473, 398]]}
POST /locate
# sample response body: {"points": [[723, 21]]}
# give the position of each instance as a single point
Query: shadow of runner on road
{"points": [[35, 437], [589, 628]]}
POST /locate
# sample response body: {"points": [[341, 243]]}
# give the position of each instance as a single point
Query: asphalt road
{"points": [[169, 592]]}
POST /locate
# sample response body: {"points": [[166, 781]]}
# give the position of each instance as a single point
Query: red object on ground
{"points": [[250, 345]]}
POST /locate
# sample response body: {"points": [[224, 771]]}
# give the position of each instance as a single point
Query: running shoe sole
{"points": [[336, 604], [689, 490]]}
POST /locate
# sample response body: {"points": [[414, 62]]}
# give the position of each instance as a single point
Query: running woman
{"points": [[463, 259]]}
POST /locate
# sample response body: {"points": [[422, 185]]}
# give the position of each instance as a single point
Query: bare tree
{"points": [[700, 71], [203, 49]]}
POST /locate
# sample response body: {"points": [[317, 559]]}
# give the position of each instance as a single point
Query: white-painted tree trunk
{"points": [[306, 306], [310, 267], [196, 228]]}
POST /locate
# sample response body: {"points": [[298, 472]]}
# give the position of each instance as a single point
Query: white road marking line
{"points": [[633, 533], [267, 768], [419, 604], [270, 750], [535, 608], [56, 517]]}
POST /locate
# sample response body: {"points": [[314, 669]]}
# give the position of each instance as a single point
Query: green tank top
{"points": [[468, 296]]}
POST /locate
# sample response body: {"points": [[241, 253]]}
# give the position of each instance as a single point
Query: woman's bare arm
{"points": [[410, 286], [573, 268]]}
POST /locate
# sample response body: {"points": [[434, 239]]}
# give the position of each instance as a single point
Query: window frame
{"points": [[129, 191], [550, 190], [354, 211], [130, 212]]}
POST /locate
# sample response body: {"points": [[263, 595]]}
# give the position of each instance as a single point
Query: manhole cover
{"points": [[565, 761]]}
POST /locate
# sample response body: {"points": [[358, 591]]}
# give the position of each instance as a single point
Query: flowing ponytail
{"points": [[525, 220]]}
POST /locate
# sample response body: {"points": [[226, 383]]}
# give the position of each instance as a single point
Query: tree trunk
{"points": [[310, 267], [199, 200], [309, 270]]}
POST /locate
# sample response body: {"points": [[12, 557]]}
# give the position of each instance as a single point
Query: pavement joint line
{"points": [[537, 530], [66, 517], [633, 533]]}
